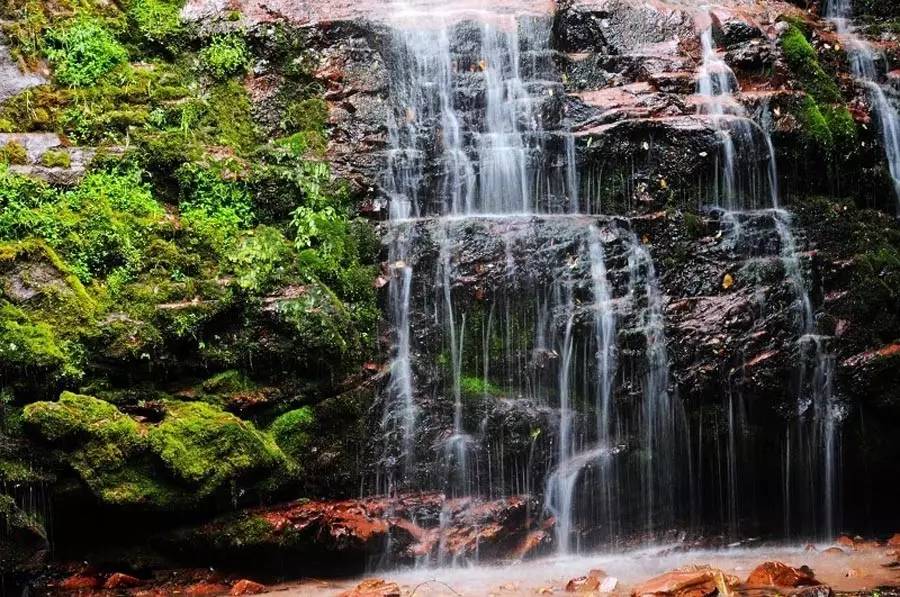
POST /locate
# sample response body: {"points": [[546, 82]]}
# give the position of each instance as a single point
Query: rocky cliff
{"points": [[196, 271]]}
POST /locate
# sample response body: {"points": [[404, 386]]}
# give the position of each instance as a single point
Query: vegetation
{"points": [[82, 51], [822, 112], [200, 244]]}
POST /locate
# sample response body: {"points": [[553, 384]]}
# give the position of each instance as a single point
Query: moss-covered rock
{"points": [[205, 447], [291, 432], [196, 451]]}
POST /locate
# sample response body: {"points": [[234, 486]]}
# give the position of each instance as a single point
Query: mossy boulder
{"points": [[44, 312], [196, 451], [291, 432], [204, 446]]}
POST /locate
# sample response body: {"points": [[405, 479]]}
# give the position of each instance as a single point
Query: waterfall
{"points": [[817, 416], [863, 65]]}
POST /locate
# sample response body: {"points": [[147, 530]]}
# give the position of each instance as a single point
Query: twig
{"points": [[416, 588]]}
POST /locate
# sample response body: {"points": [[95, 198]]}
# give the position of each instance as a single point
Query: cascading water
{"points": [[814, 438], [513, 309], [863, 64]]}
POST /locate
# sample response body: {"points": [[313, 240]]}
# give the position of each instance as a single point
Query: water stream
{"points": [[863, 64]]}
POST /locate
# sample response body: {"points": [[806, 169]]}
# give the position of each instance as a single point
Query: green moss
{"points": [[13, 153], [33, 346], [803, 61], [226, 55], [815, 126], [204, 446], [841, 124], [82, 51], [56, 159], [476, 387], [230, 117], [157, 21], [75, 419], [291, 432]]}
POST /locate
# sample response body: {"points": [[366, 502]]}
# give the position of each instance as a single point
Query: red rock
{"points": [[374, 587], [689, 582], [894, 541], [586, 584], [247, 587], [835, 551], [202, 589], [80, 582], [846, 542], [119, 580], [777, 574]]}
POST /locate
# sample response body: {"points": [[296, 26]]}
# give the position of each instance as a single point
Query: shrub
{"points": [[226, 55], [83, 51]]}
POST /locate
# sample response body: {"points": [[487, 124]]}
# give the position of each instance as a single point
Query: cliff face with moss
{"points": [[176, 250], [190, 265]]}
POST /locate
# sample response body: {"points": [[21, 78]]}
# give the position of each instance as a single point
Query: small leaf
{"points": [[727, 281]]}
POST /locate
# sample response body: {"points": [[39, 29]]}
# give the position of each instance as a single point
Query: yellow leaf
{"points": [[727, 281]]}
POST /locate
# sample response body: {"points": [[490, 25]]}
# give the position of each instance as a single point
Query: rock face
{"points": [[705, 299], [346, 536]]}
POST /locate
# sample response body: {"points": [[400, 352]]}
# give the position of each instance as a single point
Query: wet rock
{"points": [[894, 541], [374, 587], [80, 582], [247, 587], [205, 589], [340, 536], [688, 582], [120, 580], [778, 574]]}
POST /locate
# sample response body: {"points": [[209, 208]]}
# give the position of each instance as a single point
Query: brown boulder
{"points": [[119, 580], [699, 581], [894, 541], [777, 574], [247, 587], [374, 587]]}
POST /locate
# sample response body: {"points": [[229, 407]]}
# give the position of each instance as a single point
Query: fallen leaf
{"points": [[727, 281]]}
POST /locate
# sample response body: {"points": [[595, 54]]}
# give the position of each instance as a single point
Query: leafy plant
{"points": [[226, 55], [83, 51]]}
